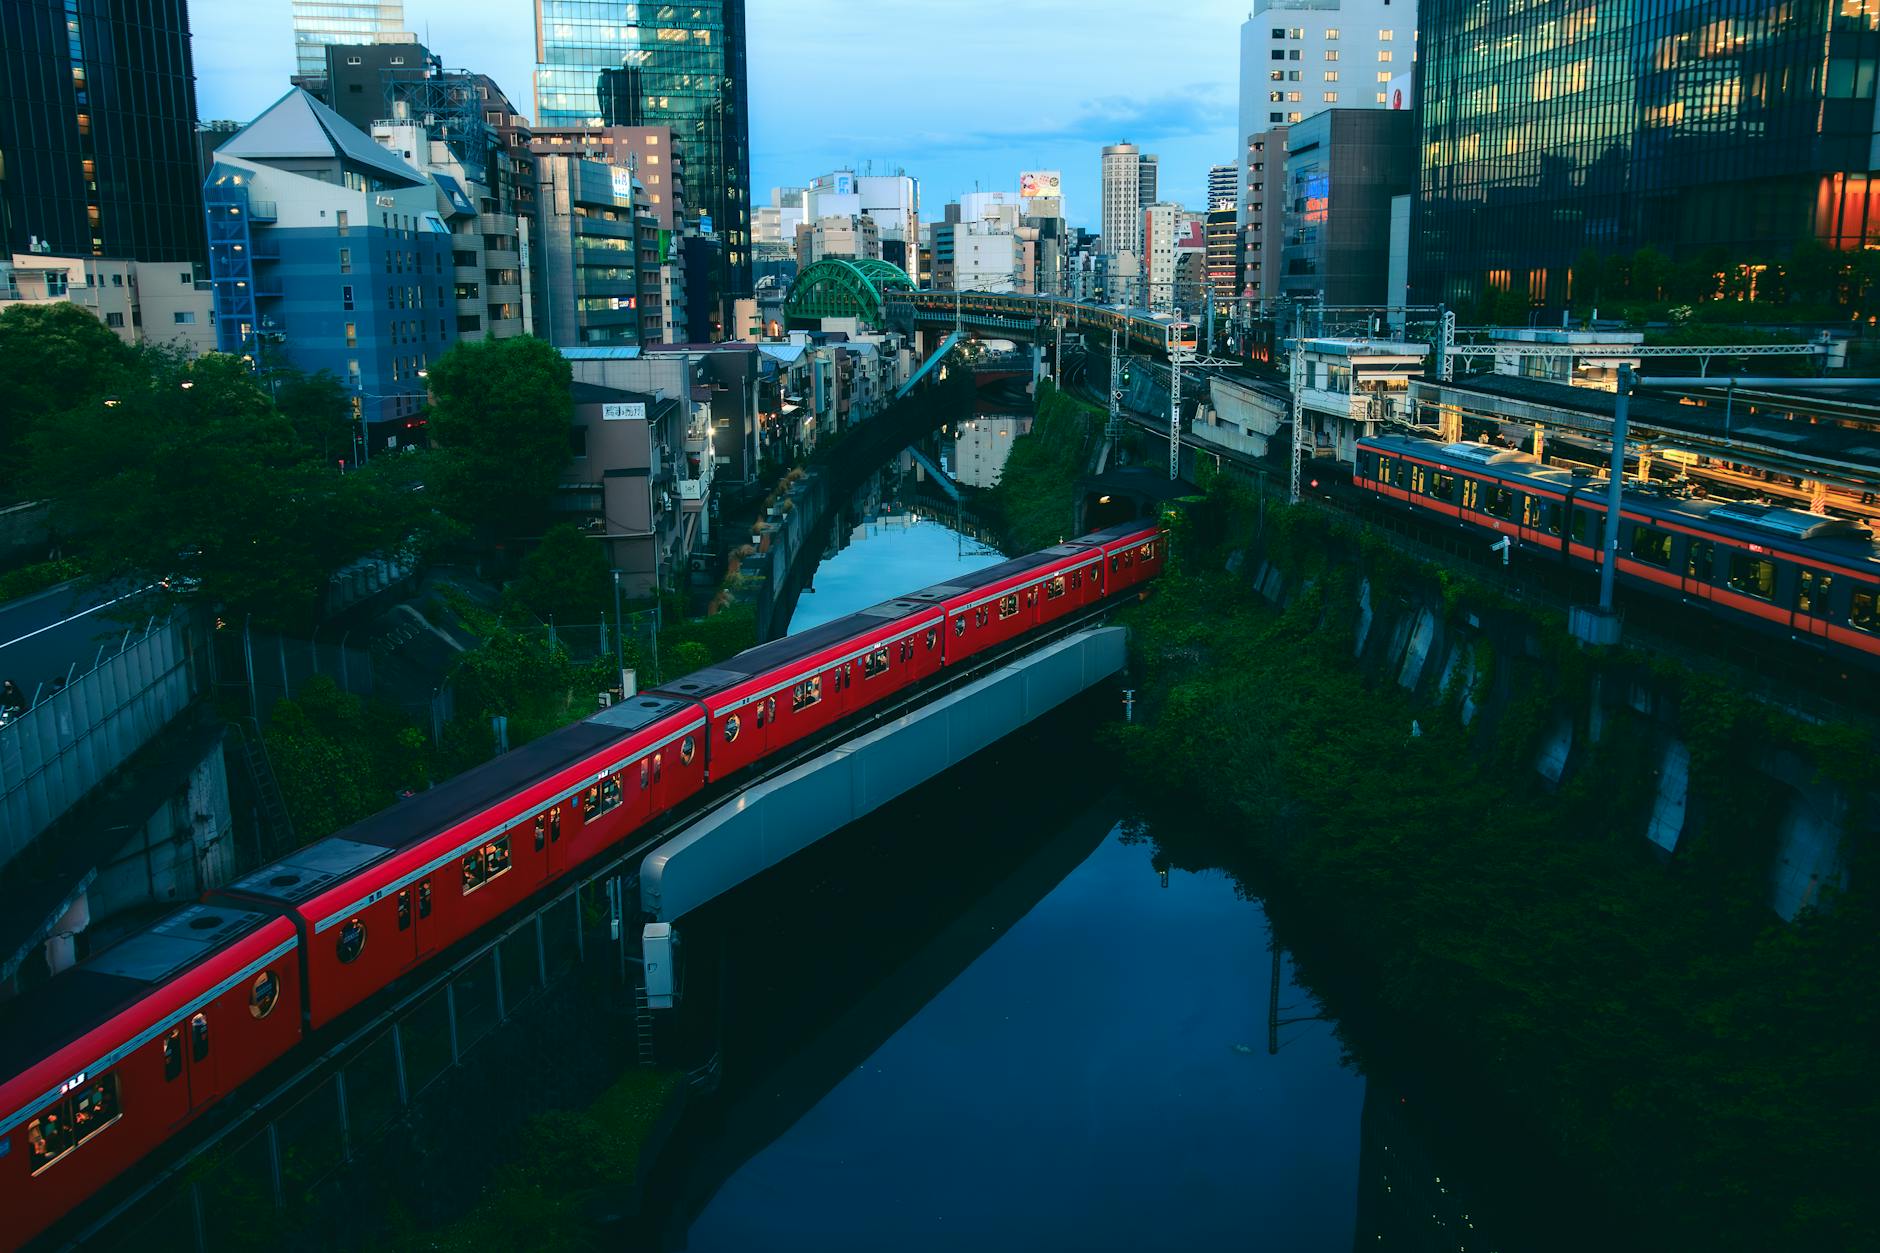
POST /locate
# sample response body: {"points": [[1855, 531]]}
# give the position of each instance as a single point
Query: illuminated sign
{"points": [[1401, 97], [623, 183]]}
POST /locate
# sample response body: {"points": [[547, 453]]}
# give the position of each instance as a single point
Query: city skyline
{"points": [[1016, 111]]}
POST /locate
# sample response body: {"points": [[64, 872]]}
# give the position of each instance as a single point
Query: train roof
{"points": [[47, 1018], [308, 871], [779, 654]]}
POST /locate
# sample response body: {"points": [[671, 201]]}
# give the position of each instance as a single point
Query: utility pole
{"points": [[1298, 380], [1115, 430]]}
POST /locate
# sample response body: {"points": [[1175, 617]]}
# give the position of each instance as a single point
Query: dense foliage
{"points": [[188, 472], [1032, 503], [566, 578], [338, 758], [500, 416], [1710, 1066], [53, 357]]}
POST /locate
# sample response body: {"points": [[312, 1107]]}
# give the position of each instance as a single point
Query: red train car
{"points": [[99, 1066], [379, 898], [110, 1059]]}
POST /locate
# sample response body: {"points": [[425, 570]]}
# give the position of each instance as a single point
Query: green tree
{"points": [[500, 414], [1812, 273], [340, 759], [566, 577], [192, 472], [1589, 277], [315, 405], [52, 358], [1649, 270]]}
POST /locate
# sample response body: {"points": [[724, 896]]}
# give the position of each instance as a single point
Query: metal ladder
{"points": [[642, 1023], [277, 825]]}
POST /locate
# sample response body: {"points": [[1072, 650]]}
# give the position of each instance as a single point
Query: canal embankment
{"points": [[1622, 906]]}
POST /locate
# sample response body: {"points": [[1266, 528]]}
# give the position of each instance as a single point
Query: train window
{"points": [[732, 727], [933, 638], [404, 910], [1147, 551], [590, 802], [1115, 561], [875, 663], [1077, 578], [806, 693], [1054, 588], [265, 993], [659, 763], [424, 899], [1811, 596], [610, 790], [760, 713], [1583, 528], [473, 875], [554, 824], [496, 856], [80, 1115], [172, 1055], [1538, 514], [688, 749], [1701, 561], [1443, 486], [1383, 469], [1497, 500], [541, 832], [1420, 480], [1367, 464], [1753, 576], [1652, 546], [959, 626], [1008, 606], [646, 772], [1471, 494], [770, 708], [1862, 613], [199, 1038], [351, 941]]}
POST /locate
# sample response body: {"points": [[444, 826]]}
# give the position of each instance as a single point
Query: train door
{"points": [[202, 1056], [165, 1077], [1813, 591]]}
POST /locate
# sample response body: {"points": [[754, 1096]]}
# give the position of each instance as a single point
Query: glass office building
{"points": [[1731, 127], [614, 63], [98, 150]]}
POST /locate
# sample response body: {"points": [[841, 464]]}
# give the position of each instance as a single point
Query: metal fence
{"points": [[54, 753]]}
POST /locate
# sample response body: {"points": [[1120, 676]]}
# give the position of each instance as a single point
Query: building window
{"points": [[114, 319], [1296, 32], [1294, 54], [1277, 75], [1331, 76], [1276, 96], [1276, 117], [345, 261], [342, 221], [346, 297], [1331, 54], [1279, 32], [1383, 97], [352, 335], [58, 283], [184, 317], [1383, 54], [1385, 36], [1331, 32], [1293, 76], [1383, 76], [1331, 97], [1295, 96], [1279, 54]]}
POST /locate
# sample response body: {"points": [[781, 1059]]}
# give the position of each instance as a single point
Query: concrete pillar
{"points": [[1539, 440], [1644, 465], [1451, 424]]}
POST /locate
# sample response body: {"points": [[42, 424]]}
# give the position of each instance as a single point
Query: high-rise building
{"points": [[1263, 219], [1343, 166], [359, 78], [1148, 179], [621, 63], [1121, 210], [328, 252], [1222, 181], [98, 153], [320, 23], [600, 263], [1298, 57], [1223, 258], [1691, 129], [1161, 224]]}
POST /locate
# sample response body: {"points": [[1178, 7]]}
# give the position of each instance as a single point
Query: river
{"points": [[996, 1017]]}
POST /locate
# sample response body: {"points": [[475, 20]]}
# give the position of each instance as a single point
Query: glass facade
{"points": [[612, 63], [1737, 127], [98, 129], [320, 23]]}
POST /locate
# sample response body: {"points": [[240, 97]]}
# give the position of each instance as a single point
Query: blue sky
{"points": [[963, 94]]}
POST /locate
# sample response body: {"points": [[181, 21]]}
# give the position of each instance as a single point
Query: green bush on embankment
{"points": [[1710, 1066], [1032, 503]]}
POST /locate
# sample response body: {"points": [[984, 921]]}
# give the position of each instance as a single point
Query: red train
{"points": [[1799, 575], [103, 1063]]}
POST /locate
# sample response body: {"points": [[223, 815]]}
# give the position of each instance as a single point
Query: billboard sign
{"points": [[1033, 183], [1400, 96], [632, 411], [623, 183]]}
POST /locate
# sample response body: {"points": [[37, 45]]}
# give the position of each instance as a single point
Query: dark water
{"points": [[995, 1017]]}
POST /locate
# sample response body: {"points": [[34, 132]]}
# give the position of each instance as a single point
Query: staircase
{"points": [[277, 829]]}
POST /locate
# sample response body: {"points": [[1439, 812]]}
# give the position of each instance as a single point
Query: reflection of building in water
{"points": [[980, 447], [1405, 1202]]}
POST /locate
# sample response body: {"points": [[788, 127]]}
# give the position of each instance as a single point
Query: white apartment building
{"points": [[1121, 210], [985, 256], [1298, 57], [145, 302], [1162, 223]]}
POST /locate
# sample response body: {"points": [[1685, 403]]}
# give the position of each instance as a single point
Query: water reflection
{"points": [[1097, 1079], [886, 555]]}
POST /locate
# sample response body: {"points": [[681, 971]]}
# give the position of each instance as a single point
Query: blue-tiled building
{"points": [[327, 252]]}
